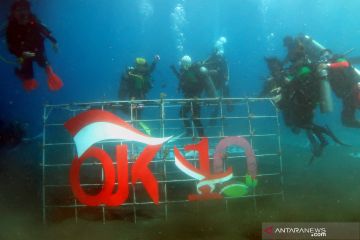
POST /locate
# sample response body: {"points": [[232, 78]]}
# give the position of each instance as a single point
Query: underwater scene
{"points": [[179, 119]]}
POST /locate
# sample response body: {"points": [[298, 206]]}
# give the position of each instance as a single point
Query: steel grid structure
{"points": [[253, 118]]}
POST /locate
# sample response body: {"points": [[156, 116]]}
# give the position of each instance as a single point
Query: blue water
{"points": [[98, 40]]}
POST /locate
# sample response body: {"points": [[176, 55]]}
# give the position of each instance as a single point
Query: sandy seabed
{"points": [[326, 191]]}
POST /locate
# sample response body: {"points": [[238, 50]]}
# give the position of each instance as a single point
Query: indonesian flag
{"points": [[94, 126]]}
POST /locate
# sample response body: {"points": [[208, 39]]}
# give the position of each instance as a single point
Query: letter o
{"points": [[109, 177]]}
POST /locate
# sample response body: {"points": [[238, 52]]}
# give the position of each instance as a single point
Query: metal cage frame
{"points": [[165, 120]]}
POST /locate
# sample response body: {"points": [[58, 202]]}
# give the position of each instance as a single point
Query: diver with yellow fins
{"points": [[136, 82], [25, 36]]}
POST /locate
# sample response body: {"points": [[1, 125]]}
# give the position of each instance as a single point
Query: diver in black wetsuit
{"points": [[345, 83], [193, 81], [297, 95], [136, 82], [303, 95], [218, 70], [277, 80]]}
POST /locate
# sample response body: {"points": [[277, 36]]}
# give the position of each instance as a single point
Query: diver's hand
{"points": [[276, 91], [156, 58], [277, 98], [55, 47], [28, 54]]}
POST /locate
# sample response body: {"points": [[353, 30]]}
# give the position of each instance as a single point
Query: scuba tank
{"points": [[326, 103], [315, 50]]}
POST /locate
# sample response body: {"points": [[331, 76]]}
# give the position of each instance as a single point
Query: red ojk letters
{"points": [[94, 126]]}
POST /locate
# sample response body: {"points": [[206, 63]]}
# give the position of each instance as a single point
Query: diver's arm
{"points": [[46, 32], [342, 64], [207, 80], [154, 62], [175, 71], [226, 87]]}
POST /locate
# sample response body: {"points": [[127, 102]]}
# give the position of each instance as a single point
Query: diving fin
{"points": [[54, 82], [146, 128], [333, 137], [29, 84]]}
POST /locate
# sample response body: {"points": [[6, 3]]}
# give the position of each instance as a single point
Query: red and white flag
{"points": [[94, 126]]}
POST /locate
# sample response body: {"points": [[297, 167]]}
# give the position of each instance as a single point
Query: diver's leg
{"points": [[26, 70], [53, 80], [184, 111], [41, 60], [214, 114], [138, 113], [319, 131], [316, 148], [326, 130], [26, 74], [197, 122]]}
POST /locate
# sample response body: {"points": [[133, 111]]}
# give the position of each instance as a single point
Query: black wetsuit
{"points": [[192, 84], [28, 38], [299, 99], [135, 83], [218, 70]]}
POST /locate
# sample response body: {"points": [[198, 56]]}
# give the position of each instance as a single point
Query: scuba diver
{"points": [[194, 79], [11, 134], [342, 78], [218, 68], [297, 95], [25, 36], [345, 82], [294, 50], [219, 72], [136, 82]]}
